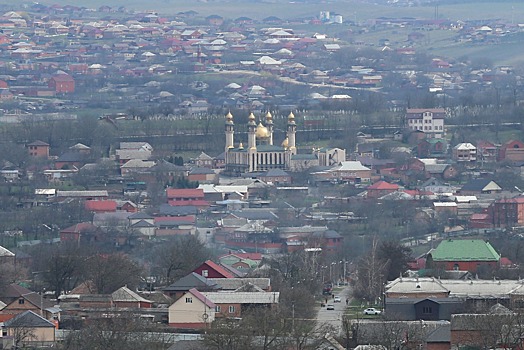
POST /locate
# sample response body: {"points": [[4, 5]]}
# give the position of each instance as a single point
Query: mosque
{"points": [[261, 154]]}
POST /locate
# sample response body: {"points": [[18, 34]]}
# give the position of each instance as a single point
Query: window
{"points": [[231, 309], [205, 273], [427, 310], [189, 300], [218, 308], [21, 301], [456, 267]]}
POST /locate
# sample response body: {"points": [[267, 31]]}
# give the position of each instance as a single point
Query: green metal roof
{"points": [[465, 250]]}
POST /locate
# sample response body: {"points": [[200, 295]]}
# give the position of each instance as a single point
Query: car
{"points": [[330, 307], [372, 311], [337, 299]]}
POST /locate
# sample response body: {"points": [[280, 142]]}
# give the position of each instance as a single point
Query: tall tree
{"points": [[394, 257]]}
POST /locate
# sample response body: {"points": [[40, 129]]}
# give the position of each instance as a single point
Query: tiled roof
{"points": [[383, 185], [185, 192]]}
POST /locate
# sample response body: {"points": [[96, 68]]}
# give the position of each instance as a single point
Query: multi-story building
{"points": [[430, 121], [465, 152]]}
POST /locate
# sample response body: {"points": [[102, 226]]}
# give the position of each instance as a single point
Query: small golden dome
{"points": [[240, 145], [285, 143], [229, 116], [291, 116], [262, 132], [251, 117], [268, 115]]}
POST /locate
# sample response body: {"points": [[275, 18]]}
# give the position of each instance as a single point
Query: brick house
{"points": [[38, 149], [463, 255], [186, 196], [507, 212], [62, 83], [512, 151], [209, 269]]}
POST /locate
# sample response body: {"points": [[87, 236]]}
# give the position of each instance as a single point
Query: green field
{"points": [[290, 9]]}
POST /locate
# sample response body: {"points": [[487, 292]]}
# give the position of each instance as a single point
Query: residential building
{"points": [[512, 151], [463, 255], [464, 152], [430, 121], [38, 149], [192, 310]]}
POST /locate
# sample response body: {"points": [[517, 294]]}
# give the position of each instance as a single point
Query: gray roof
{"points": [[440, 335], [436, 168], [125, 294], [235, 283], [142, 223], [140, 215], [243, 297], [28, 319], [170, 210], [254, 214], [193, 280]]}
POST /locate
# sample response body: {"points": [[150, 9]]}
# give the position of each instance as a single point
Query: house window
{"points": [[427, 310], [456, 267], [218, 308], [231, 309], [21, 301], [189, 300], [205, 273]]}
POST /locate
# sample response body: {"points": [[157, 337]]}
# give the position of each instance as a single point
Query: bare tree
{"points": [[119, 331], [371, 273], [110, 272], [179, 256], [228, 334]]}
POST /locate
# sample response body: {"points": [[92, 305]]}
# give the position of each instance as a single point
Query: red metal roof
{"points": [[101, 206], [218, 269], [202, 298]]}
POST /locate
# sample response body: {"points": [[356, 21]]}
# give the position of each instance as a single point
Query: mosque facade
{"points": [[261, 154]]}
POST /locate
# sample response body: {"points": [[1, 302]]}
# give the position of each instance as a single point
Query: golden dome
{"points": [[262, 132], [240, 145], [268, 115], [229, 116], [251, 117], [285, 143], [291, 116]]}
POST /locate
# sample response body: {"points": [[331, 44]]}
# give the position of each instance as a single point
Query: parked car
{"points": [[337, 299], [372, 311], [330, 307]]}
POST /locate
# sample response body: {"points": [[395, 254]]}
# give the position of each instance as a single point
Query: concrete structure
{"points": [[430, 121]]}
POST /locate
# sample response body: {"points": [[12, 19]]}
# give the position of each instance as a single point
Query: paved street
{"points": [[334, 317]]}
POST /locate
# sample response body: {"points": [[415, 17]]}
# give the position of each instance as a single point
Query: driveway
{"points": [[334, 317]]}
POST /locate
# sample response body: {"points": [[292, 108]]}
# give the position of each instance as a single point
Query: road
{"points": [[334, 317]]}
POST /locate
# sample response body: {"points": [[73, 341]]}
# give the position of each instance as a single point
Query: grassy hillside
{"points": [[286, 9]]}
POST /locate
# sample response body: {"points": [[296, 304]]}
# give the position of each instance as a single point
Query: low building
{"points": [[463, 255]]}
